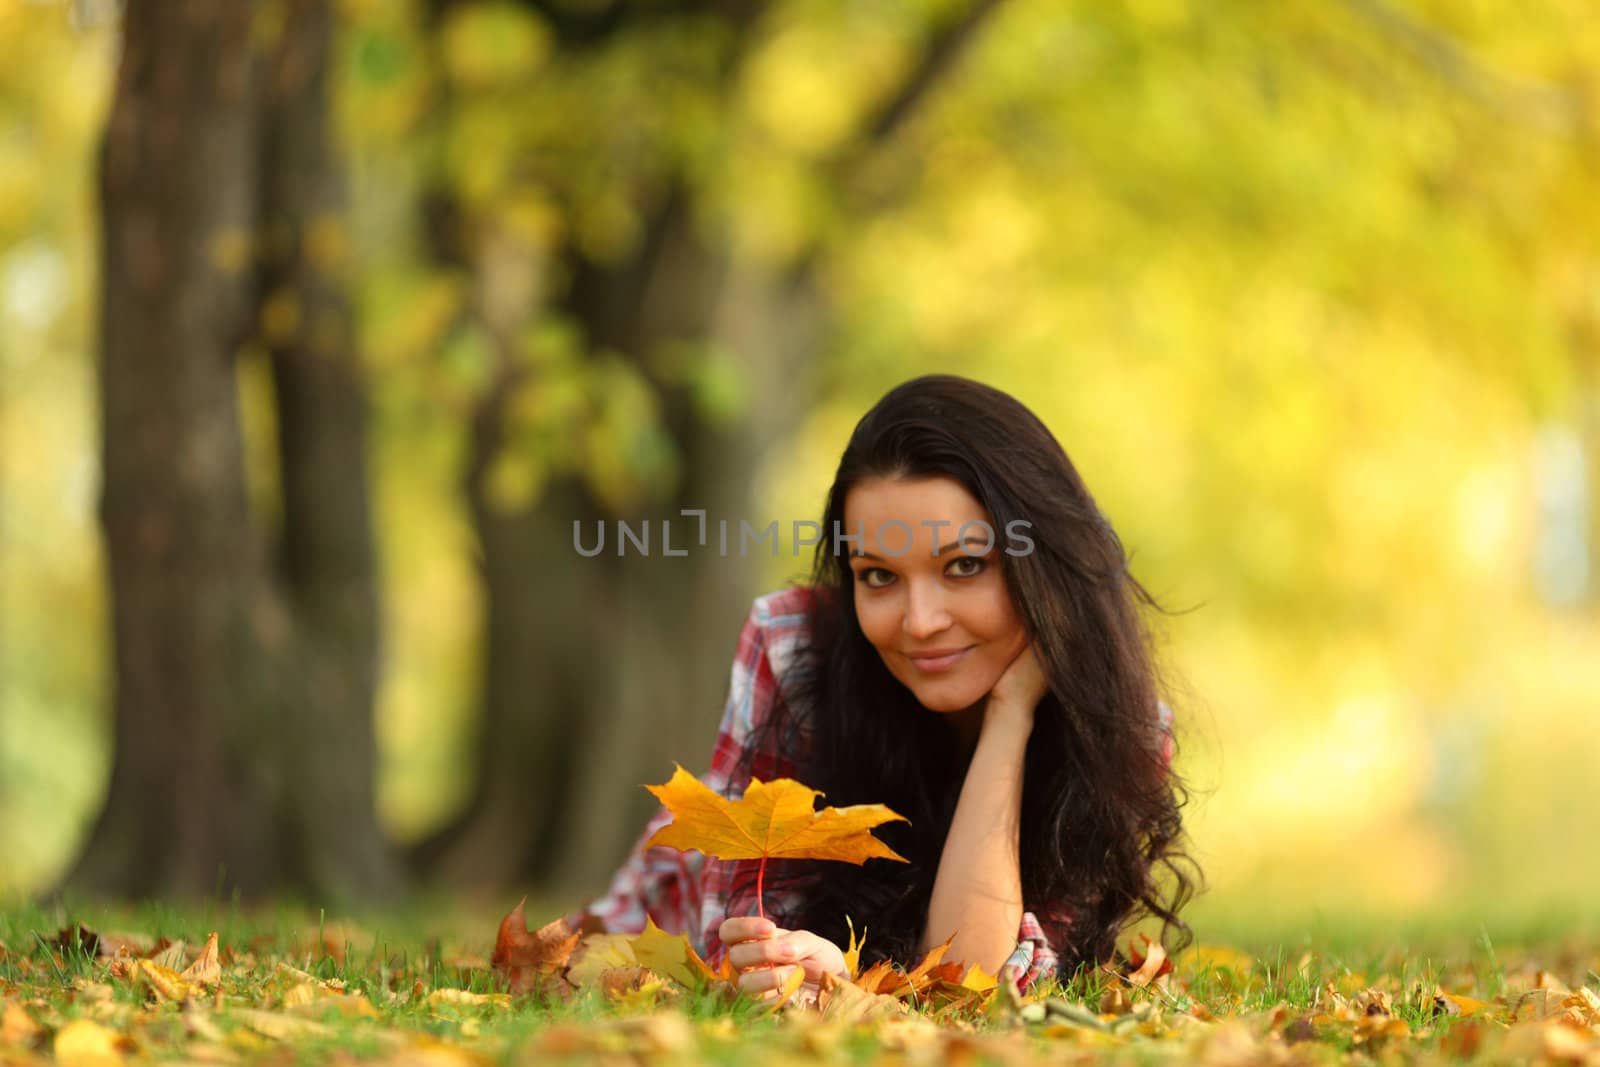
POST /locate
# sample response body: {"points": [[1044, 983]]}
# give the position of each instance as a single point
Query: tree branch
{"points": [[1541, 105], [938, 59]]}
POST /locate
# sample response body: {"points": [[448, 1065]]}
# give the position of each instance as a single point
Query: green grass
{"points": [[1322, 992]]}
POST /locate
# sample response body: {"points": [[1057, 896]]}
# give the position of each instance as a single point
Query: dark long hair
{"points": [[1100, 822]]}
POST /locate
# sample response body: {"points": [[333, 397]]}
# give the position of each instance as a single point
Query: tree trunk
{"points": [[599, 672], [571, 732], [242, 715], [327, 560], [178, 180]]}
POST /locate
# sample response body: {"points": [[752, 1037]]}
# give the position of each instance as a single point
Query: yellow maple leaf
{"points": [[773, 820], [669, 955], [852, 955], [978, 980], [598, 953]]}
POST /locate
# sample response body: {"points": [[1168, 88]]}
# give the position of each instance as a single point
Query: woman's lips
{"points": [[936, 664]]}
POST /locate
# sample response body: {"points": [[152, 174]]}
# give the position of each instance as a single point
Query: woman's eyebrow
{"points": [[858, 554]]}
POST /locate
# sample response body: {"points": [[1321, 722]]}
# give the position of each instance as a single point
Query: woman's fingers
{"points": [[770, 980], [767, 956], [745, 928], [751, 954], [815, 953]]}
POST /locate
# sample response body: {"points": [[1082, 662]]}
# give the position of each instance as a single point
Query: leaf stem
{"points": [[761, 880]]}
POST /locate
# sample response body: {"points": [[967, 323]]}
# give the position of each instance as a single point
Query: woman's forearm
{"points": [[977, 893]]}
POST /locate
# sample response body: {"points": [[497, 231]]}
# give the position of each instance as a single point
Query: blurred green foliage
{"points": [[1306, 290]]}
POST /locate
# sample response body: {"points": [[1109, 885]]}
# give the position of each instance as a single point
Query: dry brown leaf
{"points": [[1463, 1040], [1546, 1003], [462, 998], [847, 1002], [622, 980], [295, 996], [174, 957], [205, 970], [919, 975], [75, 939], [880, 975], [17, 1027], [641, 991], [163, 981], [278, 1026], [1147, 968], [530, 959], [1549, 1039], [1114, 1001]]}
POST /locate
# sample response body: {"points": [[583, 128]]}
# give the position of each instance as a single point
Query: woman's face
{"points": [[937, 610]]}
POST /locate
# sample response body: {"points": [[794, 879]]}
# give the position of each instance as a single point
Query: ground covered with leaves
{"points": [[107, 988]]}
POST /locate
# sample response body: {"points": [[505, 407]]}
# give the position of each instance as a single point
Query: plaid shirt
{"points": [[691, 893]]}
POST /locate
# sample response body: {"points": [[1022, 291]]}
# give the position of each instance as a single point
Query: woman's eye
{"points": [[866, 577], [974, 566]]}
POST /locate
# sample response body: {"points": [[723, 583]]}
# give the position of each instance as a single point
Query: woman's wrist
{"points": [[1007, 716]]}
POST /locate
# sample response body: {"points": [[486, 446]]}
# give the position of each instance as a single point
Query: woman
{"points": [[969, 652]]}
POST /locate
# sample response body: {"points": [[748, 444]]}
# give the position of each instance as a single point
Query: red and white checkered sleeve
{"points": [[1034, 959]]}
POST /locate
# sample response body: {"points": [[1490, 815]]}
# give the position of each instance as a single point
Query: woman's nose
{"points": [[925, 613]]}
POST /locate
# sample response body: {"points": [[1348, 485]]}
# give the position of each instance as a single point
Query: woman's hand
{"points": [[1020, 686], [765, 955]]}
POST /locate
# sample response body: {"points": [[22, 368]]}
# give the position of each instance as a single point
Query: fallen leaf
{"points": [[1148, 968], [791, 986], [621, 980], [669, 955], [304, 993], [529, 958], [1114, 1001], [278, 1026], [931, 960], [637, 989], [205, 970], [1544, 1003], [1551, 1039], [432, 1052], [348, 1005], [852, 955], [77, 939], [663, 1031], [772, 820], [462, 998], [163, 981], [17, 1026], [1458, 1005], [82, 1043], [598, 953], [173, 957], [846, 1002], [978, 980], [880, 974]]}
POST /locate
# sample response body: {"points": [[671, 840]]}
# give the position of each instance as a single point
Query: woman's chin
{"points": [[946, 700]]}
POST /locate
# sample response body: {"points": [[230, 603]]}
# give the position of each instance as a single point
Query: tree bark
{"points": [[242, 703], [184, 809], [328, 564]]}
